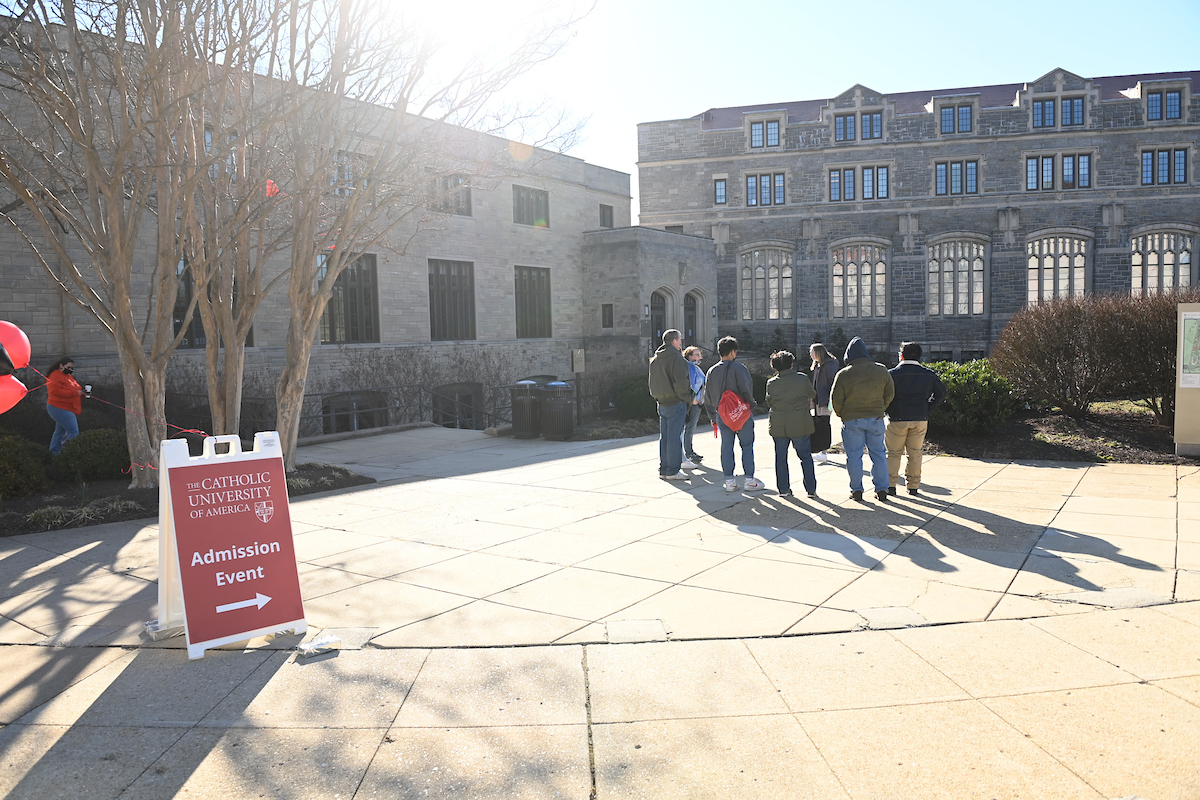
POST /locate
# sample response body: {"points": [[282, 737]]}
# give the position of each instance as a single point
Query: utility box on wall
{"points": [[577, 357], [1187, 381]]}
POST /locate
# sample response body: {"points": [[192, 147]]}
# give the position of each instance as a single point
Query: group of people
{"points": [[883, 411]]}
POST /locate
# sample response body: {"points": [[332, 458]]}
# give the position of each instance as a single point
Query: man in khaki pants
{"points": [[918, 389]]}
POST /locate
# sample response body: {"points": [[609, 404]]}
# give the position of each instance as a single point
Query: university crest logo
{"points": [[264, 510]]}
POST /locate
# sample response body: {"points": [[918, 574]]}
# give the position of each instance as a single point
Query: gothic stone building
{"points": [[932, 216]]}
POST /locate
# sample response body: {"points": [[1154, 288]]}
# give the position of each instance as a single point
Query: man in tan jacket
{"points": [[861, 393]]}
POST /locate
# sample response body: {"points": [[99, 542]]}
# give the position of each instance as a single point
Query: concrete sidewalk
{"points": [[541, 619]]}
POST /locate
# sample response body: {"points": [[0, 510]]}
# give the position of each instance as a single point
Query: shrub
{"points": [[1148, 327], [631, 398], [22, 467], [93, 456], [1067, 352], [977, 398]]}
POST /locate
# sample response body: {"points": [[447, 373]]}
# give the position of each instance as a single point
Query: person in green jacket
{"points": [[790, 396], [860, 396], [670, 384]]}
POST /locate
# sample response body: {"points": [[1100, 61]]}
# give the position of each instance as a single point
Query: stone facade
{"points": [[1086, 199]]}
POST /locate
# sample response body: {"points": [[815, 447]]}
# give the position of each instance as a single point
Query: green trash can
{"points": [[556, 406]]}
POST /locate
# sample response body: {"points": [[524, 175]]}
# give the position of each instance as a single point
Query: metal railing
{"points": [[474, 407]]}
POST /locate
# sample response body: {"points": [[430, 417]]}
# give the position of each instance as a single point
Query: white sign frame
{"points": [[172, 611]]}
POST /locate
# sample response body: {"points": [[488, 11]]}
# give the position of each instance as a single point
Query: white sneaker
{"points": [[678, 476], [820, 457], [754, 485], [731, 484], [689, 464]]}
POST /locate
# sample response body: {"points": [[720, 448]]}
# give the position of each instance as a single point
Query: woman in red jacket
{"points": [[62, 403]]}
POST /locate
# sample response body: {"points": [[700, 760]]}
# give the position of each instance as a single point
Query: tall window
{"points": [[451, 300], [1057, 268], [843, 183], [956, 119], [956, 177], [872, 125], [606, 216], [531, 207], [772, 133], [606, 315], [1043, 113], [1072, 111], [956, 272], [658, 316], [1173, 104], [1162, 261], [194, 337], [756, 134], [533, 302], [691, 319], [1154, 106], [719, 192], [1164, 166], [765, 190], [766, 276], [843, 128], [859, 281], [451, 195], [1164, 105], [1068, 171], [352, 314]]}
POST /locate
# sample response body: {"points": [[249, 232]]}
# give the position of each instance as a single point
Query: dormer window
{"points": [[764, 133], [957, 119], [1164, 105], [1043, 113]]}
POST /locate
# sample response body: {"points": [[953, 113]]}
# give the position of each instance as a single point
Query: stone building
{"points": [[516, 268], [935, 215]]}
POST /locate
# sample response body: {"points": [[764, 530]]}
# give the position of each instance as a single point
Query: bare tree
{"points": [[371, 138], [92, 140]]}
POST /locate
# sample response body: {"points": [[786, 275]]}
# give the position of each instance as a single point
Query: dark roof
{"points": [[997, 96]]}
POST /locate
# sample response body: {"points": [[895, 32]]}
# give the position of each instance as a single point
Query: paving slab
{"points": [[850, 670], [343, 689], [1142, 641], [937, 750], [660, 562], [491, 763], [678, 680], [382, 603], [66, 762], [384, 558], [580, 593], [1009, 657], [1123, 740], [690, 612], [712, 759], [476, 574], [496, 688], [775, 580], [32, 676], [481, 624], [260, 763]]}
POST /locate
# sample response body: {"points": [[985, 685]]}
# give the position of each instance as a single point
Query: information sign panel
{"points": [[233, 556]]}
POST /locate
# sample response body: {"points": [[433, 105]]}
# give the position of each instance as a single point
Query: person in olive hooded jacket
{"points": [[671, 385], [860, 396], [790, 396]]}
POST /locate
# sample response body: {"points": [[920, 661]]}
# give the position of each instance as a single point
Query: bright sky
{"points": [[634, 61]]}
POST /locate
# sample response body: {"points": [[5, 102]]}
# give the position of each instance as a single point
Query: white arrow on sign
{"points": [[259, 600]]}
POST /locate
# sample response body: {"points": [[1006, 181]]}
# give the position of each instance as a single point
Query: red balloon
{"points": [[11, 392], [17, 344]]}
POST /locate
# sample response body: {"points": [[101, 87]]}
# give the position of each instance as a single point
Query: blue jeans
{"points": [[783, 478], [66, 427], [746, 437], [670, 436], [689, 429], [869, 432]]}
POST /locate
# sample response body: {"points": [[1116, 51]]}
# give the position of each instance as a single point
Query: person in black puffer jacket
{"points": [[918, 389]]}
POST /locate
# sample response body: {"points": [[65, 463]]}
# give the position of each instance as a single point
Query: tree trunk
{"points": [[289, 394]]}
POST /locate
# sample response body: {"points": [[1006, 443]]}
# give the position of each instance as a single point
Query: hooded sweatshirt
{"points": [[862, 389]]}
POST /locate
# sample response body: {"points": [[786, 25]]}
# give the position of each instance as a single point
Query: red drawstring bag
{"points": [[734, 410]]}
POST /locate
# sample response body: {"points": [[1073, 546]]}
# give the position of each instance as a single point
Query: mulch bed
{"points": [[74, 505], [1114, 436]]}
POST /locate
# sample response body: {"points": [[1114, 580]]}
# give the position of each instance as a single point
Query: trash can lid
{"points": [[527, 383], [556, 384]]}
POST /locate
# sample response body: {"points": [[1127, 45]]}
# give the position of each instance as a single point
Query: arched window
{"points": [[658, 315], [859, 281], [1057, 268], [956, 270], [766, 278], [1162, 261]]}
